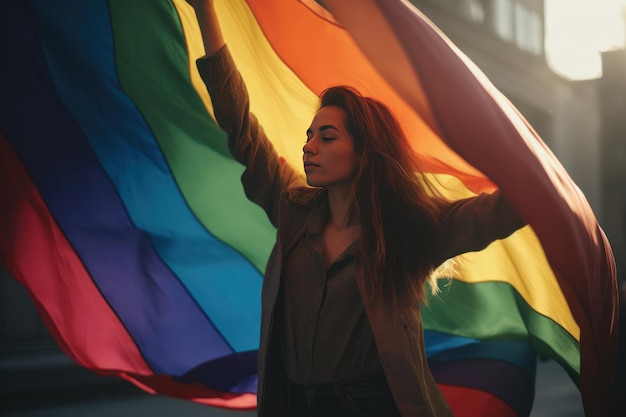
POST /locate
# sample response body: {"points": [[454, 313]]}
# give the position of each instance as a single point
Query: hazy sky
{"points": [[576, 32]]}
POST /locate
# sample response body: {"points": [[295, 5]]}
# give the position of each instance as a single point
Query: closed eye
{"points": [[322, 129]]}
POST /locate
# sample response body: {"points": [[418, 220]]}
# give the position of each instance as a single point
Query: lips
{"points": [[309, 167]]}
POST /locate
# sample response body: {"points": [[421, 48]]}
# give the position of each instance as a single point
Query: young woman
{"points": [[341, 333]]}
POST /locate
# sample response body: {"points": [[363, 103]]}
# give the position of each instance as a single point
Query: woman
{"points": [[341, 333]]}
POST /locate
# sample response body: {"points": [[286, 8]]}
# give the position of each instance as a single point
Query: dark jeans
{"points": [[357, 397]]}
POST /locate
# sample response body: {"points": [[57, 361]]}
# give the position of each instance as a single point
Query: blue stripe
{"points": [[437, 342]]}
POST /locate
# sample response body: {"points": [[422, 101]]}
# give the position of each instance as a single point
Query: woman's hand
{"points": [[198, 4], [209, 25]]}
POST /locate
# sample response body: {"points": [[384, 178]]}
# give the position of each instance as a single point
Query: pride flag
{"points": [[123, 215]]}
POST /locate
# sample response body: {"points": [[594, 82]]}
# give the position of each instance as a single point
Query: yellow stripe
{"points": [[278, 98], [195, 48], [518, 260]]}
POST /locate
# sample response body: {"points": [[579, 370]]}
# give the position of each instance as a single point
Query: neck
{"points": [[339, 202]]}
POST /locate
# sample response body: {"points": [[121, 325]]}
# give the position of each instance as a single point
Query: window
{"points": [[536, 30], [470, 9], [515, 22], [476, 11], [528, 31], [503, 14]]}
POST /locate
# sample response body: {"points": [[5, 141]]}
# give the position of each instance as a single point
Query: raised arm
{"points": [[209, 25], [266, 175], [472, 224]]}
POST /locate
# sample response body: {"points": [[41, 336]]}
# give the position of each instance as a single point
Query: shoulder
{"points": [[298, 204]]}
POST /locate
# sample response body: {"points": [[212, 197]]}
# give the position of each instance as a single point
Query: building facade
{"points": [[505, 39], [612, 91]]}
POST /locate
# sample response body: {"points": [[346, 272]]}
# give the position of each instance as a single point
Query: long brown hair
{"points": [[397, 209]]}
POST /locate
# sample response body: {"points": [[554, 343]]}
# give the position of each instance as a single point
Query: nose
{"points": [[309, 147]]}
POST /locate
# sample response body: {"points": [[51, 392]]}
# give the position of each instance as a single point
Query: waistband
{"points": [[370, 383]]}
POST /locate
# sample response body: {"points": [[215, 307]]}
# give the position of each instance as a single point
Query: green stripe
{"points": [[496, 311], [152, 59]]}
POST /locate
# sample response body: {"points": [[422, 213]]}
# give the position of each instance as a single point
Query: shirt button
{"points": [[311, 316]]}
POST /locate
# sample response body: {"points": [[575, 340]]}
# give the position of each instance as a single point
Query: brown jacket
{"points": [[466, 225]]}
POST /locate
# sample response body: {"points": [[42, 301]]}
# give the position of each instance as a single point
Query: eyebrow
{"points": [[323, 128]]}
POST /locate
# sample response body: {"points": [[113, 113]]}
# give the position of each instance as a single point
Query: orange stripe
{"points": [[306, 52]]}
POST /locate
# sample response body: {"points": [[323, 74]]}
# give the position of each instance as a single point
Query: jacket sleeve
{"points": [[472, 224], [266, 175]]}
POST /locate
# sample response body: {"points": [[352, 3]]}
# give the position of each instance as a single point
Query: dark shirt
{"points": [[326, 333]]}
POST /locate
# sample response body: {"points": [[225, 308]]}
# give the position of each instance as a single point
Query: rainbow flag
{"points": [[123, 215]]}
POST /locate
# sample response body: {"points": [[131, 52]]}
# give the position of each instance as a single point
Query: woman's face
{"points": [[329, 158]]}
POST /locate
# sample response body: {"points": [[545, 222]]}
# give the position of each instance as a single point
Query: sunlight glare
{"points": [[578, 30]]}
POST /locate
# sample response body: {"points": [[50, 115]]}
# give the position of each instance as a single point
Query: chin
{"points": [[312, 183]]}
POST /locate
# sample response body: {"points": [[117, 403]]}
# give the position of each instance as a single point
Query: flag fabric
{"points": [[123, 215]]}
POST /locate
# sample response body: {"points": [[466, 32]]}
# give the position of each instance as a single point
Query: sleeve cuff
{"points": [[215, 67]]}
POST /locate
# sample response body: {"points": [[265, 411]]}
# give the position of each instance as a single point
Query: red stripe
{"points": [[33, 246], [466, 402], [164, 384]]}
